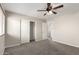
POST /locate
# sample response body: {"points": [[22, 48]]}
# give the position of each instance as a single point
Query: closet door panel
{"points": [[25, 30]]}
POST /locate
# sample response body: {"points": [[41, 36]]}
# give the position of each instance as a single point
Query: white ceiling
{"points": [[30, 9]]}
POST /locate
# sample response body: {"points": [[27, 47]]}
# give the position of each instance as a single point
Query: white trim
{"points": [[12, 45]]}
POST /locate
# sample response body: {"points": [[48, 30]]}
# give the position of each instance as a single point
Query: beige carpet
{"points": [[44, 47]]}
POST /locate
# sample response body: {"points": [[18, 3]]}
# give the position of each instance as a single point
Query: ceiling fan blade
{"points": [[45, 14], [58, 7], [41, 10], [54, 12]]}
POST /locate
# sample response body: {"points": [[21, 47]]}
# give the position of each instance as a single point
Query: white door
{"points": [[25, 30]]}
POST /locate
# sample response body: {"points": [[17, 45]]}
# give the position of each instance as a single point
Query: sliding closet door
{"points": [[13, 31], [25, 30]]}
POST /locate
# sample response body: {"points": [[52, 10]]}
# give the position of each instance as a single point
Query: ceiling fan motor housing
{"points": [[49, 8]]}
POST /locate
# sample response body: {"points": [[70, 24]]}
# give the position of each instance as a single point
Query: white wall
{"points": [[38, 30], [25, 30], [2, 44], [44, 30], [12, 31], [65, 29], [2, 30], [18, 26]]}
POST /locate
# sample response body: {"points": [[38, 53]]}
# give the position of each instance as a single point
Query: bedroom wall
{"points": [[12, 31], [2, 30], [44, 31], [65, 29], [17, 29]]}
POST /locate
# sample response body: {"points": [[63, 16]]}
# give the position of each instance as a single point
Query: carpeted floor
{"points": [[44, 47]]}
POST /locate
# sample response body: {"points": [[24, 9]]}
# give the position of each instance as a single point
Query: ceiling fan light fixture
{"points": [[49, 13]]}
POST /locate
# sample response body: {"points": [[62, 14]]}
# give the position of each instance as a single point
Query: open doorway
{"points": [[32, 31]]}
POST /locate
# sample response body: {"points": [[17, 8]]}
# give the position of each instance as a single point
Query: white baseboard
{"points": [[7, 46]]}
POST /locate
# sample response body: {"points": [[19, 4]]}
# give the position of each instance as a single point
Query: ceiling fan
{"points": [[50, 9]]}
